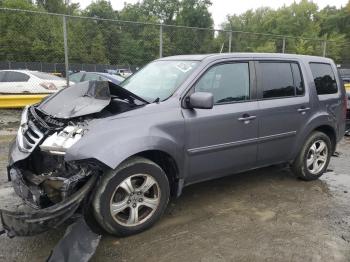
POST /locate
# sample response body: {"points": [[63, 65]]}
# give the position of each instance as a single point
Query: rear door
{"points": [[222, 140], [283, 109]]}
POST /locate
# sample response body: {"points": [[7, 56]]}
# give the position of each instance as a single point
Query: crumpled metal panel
{"points": [[35, 222], [78, 244], [77, 100]]}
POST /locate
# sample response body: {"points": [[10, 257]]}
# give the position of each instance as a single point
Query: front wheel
{"points": [[314, 157], [132, 198]]}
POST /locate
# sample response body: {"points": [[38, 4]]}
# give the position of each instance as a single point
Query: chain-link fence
{"points": [[63, 44]]}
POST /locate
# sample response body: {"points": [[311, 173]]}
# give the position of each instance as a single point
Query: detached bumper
{"points": [[38, 221]]}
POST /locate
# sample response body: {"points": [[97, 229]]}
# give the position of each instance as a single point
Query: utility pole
{"points": [[65, 43], [324, 48], [161, 40], [230, 42]]}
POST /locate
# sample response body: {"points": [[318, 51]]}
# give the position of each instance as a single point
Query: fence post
{"points": [[161, 41], [324, 48], [230, 42], [65, 48], [284, 45]]}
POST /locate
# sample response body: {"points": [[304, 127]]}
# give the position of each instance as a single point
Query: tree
{"points": [[165, 10], [301, 20]]}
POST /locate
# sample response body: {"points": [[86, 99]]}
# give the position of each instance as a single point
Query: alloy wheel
{"points": [[135, 200], [317, 157]]}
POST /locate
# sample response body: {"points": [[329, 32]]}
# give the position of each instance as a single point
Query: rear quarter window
{"points": [[324, 78]]}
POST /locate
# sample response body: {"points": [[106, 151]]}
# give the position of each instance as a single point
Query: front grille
{"points": [[29, 135], [43, 121], [34, 127]]}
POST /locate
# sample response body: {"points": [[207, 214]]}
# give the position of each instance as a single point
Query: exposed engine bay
{"points": [[38, 170]]}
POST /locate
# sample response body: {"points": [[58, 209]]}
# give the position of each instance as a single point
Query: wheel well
{"points": [[167, 163], [329, 131]]}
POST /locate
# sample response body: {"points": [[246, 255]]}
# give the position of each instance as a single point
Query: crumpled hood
{"points": [[77, 100]]}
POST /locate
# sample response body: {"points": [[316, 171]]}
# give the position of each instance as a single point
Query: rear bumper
{"points": [[37, 221]]}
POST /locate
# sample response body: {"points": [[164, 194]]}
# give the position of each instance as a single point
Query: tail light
{"points": [[48, 86]]}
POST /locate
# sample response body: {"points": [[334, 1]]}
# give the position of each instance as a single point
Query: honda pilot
{"points": [[121, 151]]}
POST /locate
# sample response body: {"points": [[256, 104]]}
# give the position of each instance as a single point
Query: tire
{"points": [[138, 186], [309, 165]]}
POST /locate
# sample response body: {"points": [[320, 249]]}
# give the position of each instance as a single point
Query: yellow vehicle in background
{"points": [[347, 86]]}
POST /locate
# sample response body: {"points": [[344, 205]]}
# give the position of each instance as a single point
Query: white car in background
{"points": [[31, 82], [124, 72]]}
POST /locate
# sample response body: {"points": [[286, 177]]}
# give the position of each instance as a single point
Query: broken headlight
{"points": [[59, 142]]}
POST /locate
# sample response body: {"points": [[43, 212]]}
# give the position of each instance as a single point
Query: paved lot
{"points": [[264, 215]]}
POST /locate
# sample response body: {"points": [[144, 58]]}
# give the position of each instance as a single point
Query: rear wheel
{"points": [[132, 198], [314, 157]]}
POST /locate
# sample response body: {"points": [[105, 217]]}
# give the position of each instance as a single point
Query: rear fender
{"points": [[320, 119]]}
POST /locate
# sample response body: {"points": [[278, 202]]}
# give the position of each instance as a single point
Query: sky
{"points": [[221, 8]]}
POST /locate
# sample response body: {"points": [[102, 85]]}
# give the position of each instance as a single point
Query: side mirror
{"points": [[200, 100]]}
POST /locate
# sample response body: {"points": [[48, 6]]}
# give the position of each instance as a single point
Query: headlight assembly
{"points": [[59, 142]]}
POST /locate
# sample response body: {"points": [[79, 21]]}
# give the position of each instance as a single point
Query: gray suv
{"points": [[118, 153]]}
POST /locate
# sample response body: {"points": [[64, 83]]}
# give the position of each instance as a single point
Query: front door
{"points": [[222, 140]]}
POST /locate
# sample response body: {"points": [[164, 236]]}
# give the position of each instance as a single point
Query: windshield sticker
{"points": [[183, 67]]}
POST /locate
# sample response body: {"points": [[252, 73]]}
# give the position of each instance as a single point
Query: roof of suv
{"points": [[244, 55]]}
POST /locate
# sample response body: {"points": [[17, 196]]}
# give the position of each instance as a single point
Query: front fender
{"points": [[115, 152]]}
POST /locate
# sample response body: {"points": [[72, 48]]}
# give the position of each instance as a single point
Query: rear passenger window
{"points": [[281, 79], [324, 78], [227, 82]]}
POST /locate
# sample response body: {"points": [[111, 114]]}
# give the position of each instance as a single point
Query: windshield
{"points": [[159, 80]]}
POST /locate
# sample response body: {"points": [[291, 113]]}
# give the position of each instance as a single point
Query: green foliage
{"points": [[31, 37], [301, 20]]}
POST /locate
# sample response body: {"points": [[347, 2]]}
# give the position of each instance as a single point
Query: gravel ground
{"points": [[263, 215]]}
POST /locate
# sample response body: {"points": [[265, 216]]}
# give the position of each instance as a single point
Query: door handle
{"points": [[246, 118], [303, 110]]}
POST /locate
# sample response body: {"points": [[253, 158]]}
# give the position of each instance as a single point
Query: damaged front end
{"points": [[53, 187]]}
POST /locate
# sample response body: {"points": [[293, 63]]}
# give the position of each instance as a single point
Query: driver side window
{"points": [[227, 82]]}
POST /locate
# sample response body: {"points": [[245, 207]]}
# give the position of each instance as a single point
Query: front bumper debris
{"points": [[17, 223]]}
